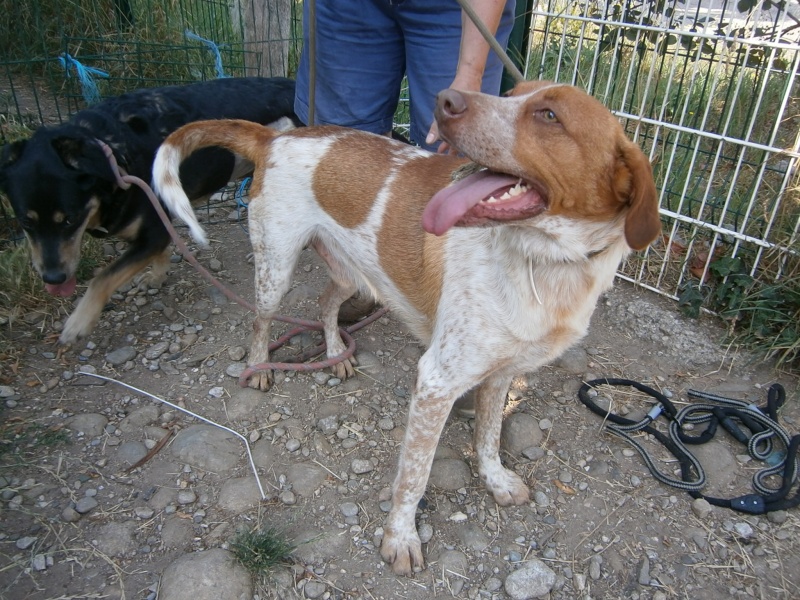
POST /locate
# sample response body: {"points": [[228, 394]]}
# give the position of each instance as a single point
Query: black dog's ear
{"points": [[85, 156], [10, 155], [139, 125], [69, 150]]}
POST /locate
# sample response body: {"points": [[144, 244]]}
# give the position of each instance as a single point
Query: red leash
{"points": [[125, 182]]}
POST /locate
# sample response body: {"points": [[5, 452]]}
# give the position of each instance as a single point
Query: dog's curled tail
{"points": [[244, 138]]}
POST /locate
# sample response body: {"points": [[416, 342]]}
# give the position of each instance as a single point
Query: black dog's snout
{"points": [[53, 276]]}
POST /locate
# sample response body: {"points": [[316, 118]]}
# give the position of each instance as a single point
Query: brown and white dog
{"points": [[498, 273]]}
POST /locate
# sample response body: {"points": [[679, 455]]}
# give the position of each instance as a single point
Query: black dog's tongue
{"points": [[61, 289]]}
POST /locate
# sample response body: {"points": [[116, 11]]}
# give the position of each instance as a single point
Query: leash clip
{"points": [[655, 412]]}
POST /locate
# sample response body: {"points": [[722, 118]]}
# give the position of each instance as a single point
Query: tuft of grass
{"points": [[763, 317], [21, 437], [261, 550]]}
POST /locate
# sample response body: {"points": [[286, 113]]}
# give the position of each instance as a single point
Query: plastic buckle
{"points": [[752, 503], [654, 412]]}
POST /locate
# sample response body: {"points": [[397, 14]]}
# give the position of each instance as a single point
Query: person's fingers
{"points": [[433, 134]]}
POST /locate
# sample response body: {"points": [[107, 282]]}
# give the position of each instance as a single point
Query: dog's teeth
{"points": [[517, 190]]}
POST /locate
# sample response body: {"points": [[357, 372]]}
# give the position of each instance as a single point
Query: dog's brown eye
{"points": [[548, 115]]}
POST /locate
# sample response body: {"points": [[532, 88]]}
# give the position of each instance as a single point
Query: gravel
{"points": [[597, 525]]}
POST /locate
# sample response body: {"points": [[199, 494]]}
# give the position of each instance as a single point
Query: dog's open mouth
{"points": [[61, 289], [482, 198]]}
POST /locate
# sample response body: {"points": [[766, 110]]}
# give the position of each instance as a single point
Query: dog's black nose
{"points": [[451, 103], [54, 277]]}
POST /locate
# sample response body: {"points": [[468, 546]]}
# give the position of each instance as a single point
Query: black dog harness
{"points": [[754, 426]]}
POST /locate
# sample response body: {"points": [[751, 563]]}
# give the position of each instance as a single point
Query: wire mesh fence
{"points": [[707, 87]]}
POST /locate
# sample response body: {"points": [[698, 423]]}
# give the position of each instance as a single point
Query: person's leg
{"points": [[432, 33], [360, 61]]}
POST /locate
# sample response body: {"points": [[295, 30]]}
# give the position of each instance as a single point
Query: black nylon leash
{"points": [[754, 426]]}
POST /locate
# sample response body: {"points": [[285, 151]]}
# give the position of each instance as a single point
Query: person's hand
{"points": [[433, 135]]}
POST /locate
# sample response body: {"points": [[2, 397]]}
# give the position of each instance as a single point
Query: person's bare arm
{"points": [[473, 53]]}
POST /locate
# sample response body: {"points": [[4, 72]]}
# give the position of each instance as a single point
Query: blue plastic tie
{"points": [[85, 75], [244, 187], [214, 50]]}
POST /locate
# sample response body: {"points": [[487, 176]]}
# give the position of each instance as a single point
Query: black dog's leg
{"points": [[149, 248]]}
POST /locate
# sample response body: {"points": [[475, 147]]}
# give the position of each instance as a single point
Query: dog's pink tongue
{"points": [[62, 289], [450, 204]]}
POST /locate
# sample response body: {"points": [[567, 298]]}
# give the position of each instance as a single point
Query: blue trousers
{"points": [[365, 47]]}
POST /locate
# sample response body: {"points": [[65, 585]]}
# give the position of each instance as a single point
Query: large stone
{"points": [[210, 575], [239, 494], [207, 447], [117, 539], [306, 478], [450, 474], [90, 424], [137, 419], [533, 580], [520, 432]]}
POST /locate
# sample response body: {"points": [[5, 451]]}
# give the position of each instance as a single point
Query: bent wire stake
{"points": [[190, 413]]}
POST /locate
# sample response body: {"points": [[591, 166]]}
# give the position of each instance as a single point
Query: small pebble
{"points": [[186, 497], [26, 542], [361, 466], [85, 504]]}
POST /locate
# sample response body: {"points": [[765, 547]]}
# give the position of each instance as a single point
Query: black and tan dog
{"points": [[60, 183]]}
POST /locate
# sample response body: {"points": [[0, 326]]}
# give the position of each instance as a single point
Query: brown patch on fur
{"points": [[32, 215], [70, 250], [245, 138], [36, 252], [614, 174], [349, 194], [131, 230], [93, 216], [58, 217], [412, 258], [172, 181]]}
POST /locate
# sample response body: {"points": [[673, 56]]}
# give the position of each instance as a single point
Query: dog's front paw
{"points": [[261, 380], [80, 324], [151, 280], [345, 369], [403, 551], [507, 488]]}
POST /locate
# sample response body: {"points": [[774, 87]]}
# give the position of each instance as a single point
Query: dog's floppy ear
{"points": [[10, 154], [84, 156], [634, 185], [138, 124]]}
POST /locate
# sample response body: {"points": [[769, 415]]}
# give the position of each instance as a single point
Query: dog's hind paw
{"points": [[345, 369], [403, 551], [261, 380]]}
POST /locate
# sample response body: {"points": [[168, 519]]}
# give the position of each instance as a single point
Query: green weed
{"points": [[261, 550]]}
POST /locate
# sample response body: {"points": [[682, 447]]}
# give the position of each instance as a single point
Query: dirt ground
{"points": [[598, 519]]}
